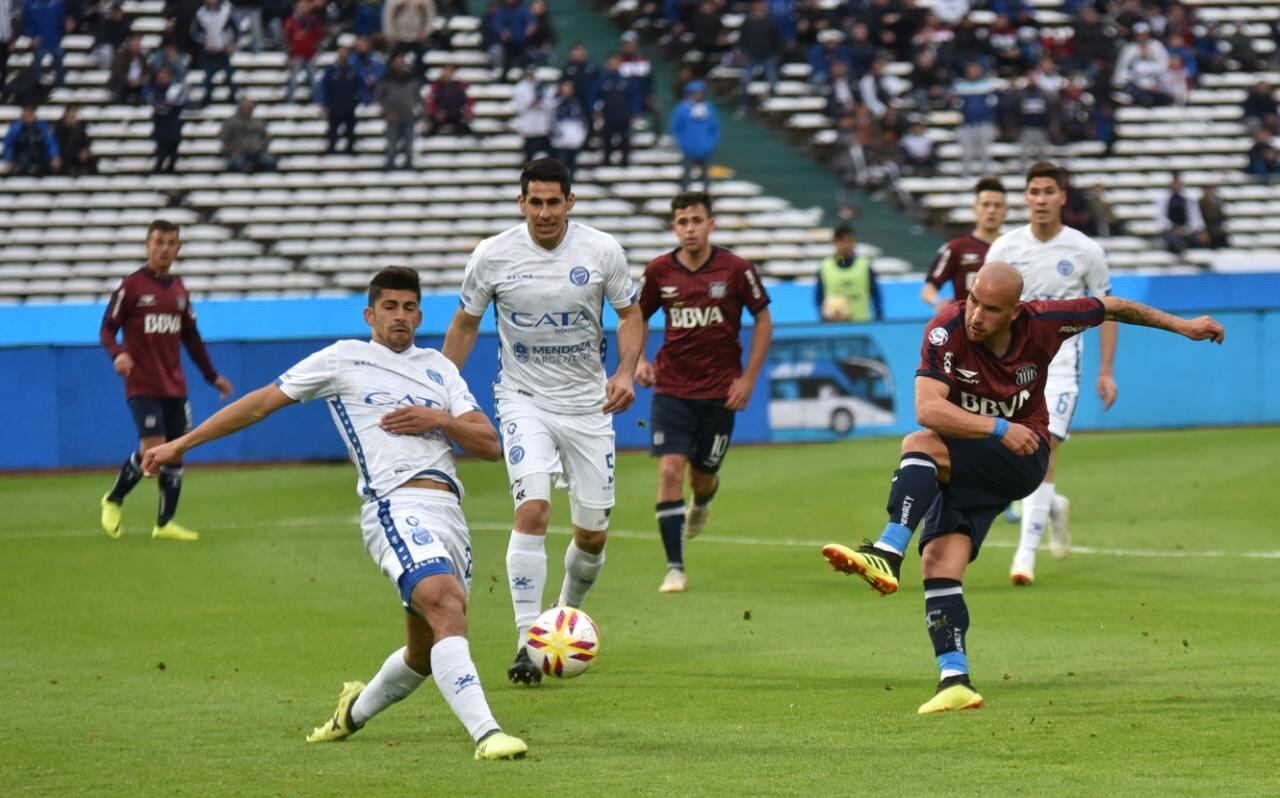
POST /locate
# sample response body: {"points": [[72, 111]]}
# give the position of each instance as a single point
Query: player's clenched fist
{"points": [[619, 394], [123, 364], [1205, 328], [1020, 440]]}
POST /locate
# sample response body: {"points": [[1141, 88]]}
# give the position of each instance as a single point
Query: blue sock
{"points": [[915, 486], [671, 525], [947, 618]]}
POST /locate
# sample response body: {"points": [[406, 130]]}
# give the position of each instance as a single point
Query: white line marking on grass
{"points": [[630, 534]]}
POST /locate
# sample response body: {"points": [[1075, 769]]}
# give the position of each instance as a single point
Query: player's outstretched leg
{"points": [[947, 619], [915, 485], [1060, 527], [526, 577], [113, 502]]}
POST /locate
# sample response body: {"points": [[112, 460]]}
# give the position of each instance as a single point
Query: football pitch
{"points": [[1146, 664]]}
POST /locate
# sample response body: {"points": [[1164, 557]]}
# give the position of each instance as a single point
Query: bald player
{"points": [[980, 397]]}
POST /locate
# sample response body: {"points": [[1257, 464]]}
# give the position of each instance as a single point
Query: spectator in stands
{"points": [[512, 24], [1211, 51], [635, 67], [1178, 46], [760, 47], [339, 95], [407, 26], [1106, 221], [929, 82], [584, 75], [829, 49], [570, 127], [534, 109], [45, 22], [1002, 37], [542, 39], [73, 143], [113, 31], [130, 73], [303, 31], [1174, 86], [274, 15], [370, 67], [397, 94], [1214, 214], [168, 100], [368, 18], [849, 161], [918, 155], [252, 11], [171, 58], [30, 146], [841, 92], [447, 104], [1033, 107], [6, 44], [1091, 41], [1178, 218], [976, 99], [876, 89], [1141, 63], [847, 289], [612, 102], [214, 30], [1263, 164], [245, 142], [1261, 109], [695, 126]]}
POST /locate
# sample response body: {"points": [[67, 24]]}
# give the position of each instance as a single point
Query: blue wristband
{"points": [[998, 431]]}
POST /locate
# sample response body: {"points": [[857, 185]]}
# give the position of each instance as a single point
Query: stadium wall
{"points": [[65, 406]]}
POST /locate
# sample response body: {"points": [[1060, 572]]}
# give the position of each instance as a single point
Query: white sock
{"points": [[395, 682], [526, 576], [580, 572], [1035, 516], [459, 683], [1055, 511]]}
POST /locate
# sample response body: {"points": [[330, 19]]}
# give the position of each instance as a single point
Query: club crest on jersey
{"points": [[435, 377], [1025, 375], [182, 303], [1066, 267], [938, 336], [516, 454], [716, 291], [521, 352], [579, 275], [422, 537]]}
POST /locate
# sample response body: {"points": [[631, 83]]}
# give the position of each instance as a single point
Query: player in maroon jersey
{"points": [[154, 310], [980, 398], [960, 258], [700, 382]]}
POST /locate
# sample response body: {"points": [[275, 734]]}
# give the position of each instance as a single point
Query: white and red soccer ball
{"points": [[563, 642]]}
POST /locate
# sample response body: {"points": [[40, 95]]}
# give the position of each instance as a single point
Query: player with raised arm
{"points": [[702, 290], [548, 279], [980, 395], [1056, 262], [154, 309], [400, 410], [960, 258]]}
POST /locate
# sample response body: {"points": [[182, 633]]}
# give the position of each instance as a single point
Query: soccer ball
{"points": [[563, 642], [835, 308]]}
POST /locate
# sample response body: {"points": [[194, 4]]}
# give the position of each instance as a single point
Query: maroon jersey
{"points": [[1012, 386], [701, 355], [155, 313], [957, 262]]}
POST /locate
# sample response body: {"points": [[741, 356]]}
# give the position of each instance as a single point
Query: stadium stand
{"points": [[1127, 136], [321, 223]]}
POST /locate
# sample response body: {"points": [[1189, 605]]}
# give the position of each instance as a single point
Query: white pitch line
{"points": [[630, 534]]}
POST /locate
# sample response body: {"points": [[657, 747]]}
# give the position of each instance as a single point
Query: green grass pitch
{"points": [[1144, 665]]}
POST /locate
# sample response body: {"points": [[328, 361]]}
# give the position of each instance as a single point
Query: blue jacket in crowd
{"points": [[616, 98], [46, 19], [695, 125], [340, 89], [513, 20], [19, 129]]}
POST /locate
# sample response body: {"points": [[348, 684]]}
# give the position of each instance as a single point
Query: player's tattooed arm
{"points": [[1127, 311]]}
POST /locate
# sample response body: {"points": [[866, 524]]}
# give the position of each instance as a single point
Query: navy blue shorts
{"points": [[699, 429], [985, 477], [153, 415]]}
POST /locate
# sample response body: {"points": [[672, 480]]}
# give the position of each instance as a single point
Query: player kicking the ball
{"points": [[548, 280], [980, 394], [702, 290], [400, 409]]}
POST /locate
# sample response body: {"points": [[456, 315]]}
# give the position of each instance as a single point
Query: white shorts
{"points": [[577, 448], [1062, 407], [413, 533]]}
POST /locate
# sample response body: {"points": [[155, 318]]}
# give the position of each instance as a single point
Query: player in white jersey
{"points": [[1056, 262], [548, 280], [400, 410]]}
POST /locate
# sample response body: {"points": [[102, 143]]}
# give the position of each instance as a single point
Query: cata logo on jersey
{"points": [[558, 320]]}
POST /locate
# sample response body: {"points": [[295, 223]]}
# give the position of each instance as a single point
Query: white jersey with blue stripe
{"points": [[549, 305], [363, 381], [1068, 266]]}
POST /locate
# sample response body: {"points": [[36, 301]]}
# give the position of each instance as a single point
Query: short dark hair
{"points": [[1049, 170], [394, 278], [544, 170], [687, 199], [843, 231], [988, 184], [161, 226]]}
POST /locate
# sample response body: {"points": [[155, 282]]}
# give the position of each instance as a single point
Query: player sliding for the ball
{"points": [[980, 396]]}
